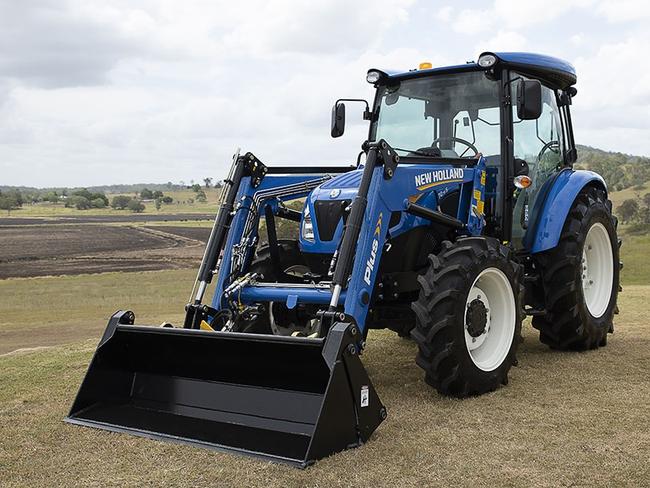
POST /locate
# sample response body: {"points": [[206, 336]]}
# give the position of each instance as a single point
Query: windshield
{"points": [[451, 115]]}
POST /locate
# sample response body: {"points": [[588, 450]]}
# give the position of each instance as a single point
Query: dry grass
{"points": [[566, 419], [64, 309]]}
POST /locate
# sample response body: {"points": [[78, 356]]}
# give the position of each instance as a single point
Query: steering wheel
{"points": [[553, 146], [462, 141]]}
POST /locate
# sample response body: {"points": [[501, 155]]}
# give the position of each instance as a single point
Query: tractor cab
{"points": [[511, 108]]}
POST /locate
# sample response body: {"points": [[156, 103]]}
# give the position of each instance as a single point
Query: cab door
{"points": [[540, 143]]}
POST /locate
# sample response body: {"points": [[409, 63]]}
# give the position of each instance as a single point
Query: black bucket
{"points": [[287, 399]]}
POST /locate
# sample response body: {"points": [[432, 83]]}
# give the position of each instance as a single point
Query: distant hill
{"points": [[131, 188], [619, 170]]}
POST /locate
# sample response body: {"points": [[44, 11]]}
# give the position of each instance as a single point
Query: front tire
{"points": [[580, 277], [276, 318], [468, 317]]}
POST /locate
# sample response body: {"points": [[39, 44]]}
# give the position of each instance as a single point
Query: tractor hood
{"points": [[324, 210], [321, 228]]}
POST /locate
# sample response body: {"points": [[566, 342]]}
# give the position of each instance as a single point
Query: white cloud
{"points": [[283, 26], [514, 14], [577, 39], [624, 10], [473, 21], [100, 91], [518, 14], [613, 102], [503, 41], [444, 14]]}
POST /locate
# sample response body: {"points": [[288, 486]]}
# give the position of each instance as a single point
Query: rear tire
{"points": [[468, 317], [580, 277]]}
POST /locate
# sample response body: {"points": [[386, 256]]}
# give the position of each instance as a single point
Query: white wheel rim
{"points": [[490, 349], [597, 270]]}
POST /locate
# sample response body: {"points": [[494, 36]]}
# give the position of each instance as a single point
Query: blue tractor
{"points": [[462, 215]]}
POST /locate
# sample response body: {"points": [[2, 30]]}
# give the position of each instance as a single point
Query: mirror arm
{"points": [[513, 80], [367, 114]]}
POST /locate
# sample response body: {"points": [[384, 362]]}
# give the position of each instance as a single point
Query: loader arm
{"points": [[381, 194]]}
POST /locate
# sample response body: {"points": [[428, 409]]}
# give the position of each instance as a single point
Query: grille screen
{"points": [[328, 216]]}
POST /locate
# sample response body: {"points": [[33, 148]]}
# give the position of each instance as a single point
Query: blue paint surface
{"points": [[556, 207]]}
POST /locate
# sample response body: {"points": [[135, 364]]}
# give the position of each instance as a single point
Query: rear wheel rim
{"points": [[597, 270], [490, 349]]}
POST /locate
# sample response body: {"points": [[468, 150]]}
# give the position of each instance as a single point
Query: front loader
{"points": [[462, 215]]}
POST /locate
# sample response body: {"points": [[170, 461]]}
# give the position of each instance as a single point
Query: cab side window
{"points": [[540, 143]]}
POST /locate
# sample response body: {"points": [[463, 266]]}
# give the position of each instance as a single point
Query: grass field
{"points": [[619, 197], [565, 419], [61, 309], [636, 260]]}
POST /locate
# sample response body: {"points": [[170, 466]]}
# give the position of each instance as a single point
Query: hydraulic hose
{"points": [[353, 228], [220, 228]]}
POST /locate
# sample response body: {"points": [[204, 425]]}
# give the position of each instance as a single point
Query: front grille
{"points": [[328, 216]]}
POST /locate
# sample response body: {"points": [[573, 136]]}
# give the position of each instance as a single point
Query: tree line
{"points": [[83, 199], [635, 211], [619, 170]]}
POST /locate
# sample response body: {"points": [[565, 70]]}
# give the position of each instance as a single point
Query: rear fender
{"points": [[552, 210]]}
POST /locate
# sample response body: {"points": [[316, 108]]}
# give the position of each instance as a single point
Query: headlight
{"points": [[373, 76], [307, 227], [487, 60]]}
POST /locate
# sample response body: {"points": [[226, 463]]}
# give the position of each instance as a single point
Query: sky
{"points": [[97, 92]]}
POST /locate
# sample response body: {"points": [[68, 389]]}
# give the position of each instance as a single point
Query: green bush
{"points": [[98, 203], [10, 200], [120, 202], [77, 201], [90, 196], [136, 206]]}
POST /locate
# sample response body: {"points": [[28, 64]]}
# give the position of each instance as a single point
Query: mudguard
{"points": [[553, 206]]}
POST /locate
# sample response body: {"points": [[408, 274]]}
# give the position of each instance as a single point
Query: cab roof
{"points": [[554, 71]]}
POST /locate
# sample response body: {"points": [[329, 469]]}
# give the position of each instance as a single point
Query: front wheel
{"points": [[580, 277], [276, 318], [468, 317]]}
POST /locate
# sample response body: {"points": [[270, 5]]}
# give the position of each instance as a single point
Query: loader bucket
{"points": [[286, 399]]}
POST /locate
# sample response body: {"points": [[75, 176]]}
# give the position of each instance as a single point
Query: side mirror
{"points": [[338, 119], [529, 99], [521, 167]]}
